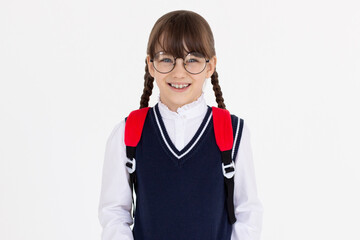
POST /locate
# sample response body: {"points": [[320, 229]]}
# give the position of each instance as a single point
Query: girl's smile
{"points": [[179, 86]]}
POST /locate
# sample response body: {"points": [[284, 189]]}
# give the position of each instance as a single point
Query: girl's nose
{"points": [[179, 69]]}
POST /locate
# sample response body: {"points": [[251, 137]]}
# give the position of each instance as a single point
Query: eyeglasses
{"points": [[193, 62]]}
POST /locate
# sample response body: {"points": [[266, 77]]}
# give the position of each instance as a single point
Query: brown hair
{"points": [[194, 32]]}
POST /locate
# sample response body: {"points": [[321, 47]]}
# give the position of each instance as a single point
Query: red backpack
{"points": [[224, 139]]}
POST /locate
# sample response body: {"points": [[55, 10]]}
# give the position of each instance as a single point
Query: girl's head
{"points": [[178, 36]]}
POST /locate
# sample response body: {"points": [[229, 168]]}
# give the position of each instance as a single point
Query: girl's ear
{"points": [[211, 67], [150, 66]]}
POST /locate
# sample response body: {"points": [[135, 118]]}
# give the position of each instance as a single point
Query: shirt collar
{"points": [[190, 110]]}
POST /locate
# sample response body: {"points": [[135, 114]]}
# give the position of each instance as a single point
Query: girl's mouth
{"points": [[179, 87]]}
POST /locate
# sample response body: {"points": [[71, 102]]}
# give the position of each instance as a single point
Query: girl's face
{"points": [[172, 97]]}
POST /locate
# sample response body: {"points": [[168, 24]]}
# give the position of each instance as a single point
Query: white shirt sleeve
{"points": [[247, 206], [115, 203]]}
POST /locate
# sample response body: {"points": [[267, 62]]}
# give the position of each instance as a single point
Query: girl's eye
{"points": [[192, 60], [166, 60]]}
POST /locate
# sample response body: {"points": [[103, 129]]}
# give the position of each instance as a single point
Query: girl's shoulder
{"points": [[117, 131]]}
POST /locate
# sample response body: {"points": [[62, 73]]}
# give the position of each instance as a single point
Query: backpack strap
{"points": [[225, 139], [134, 124]]}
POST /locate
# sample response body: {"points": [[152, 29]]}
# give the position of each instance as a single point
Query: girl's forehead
{"points": [[159, 47]]}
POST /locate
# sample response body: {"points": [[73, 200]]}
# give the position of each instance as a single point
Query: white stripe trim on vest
{"points": [[192, 146], [236, 136]]}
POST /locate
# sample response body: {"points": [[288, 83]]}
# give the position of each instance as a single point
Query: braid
{"points": [[217, 90], [148, 86]]}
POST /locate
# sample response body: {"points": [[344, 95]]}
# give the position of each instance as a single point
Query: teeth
{"points": [[179, 86]]}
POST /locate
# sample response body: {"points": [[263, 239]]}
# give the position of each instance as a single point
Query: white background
{"points": [[71, 70]]}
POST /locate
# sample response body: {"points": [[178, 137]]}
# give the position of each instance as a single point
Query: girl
{"points": [[179, 178]]}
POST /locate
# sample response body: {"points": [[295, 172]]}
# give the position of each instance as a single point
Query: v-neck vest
{"points": [[181, 194]]}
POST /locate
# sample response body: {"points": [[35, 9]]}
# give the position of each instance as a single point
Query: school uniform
{"points": [[180, 191]]}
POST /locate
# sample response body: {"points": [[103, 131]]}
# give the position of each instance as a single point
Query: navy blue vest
{"points": [[180, 195]]}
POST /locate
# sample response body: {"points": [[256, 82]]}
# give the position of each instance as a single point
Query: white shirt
{"points": [[116, 198]]}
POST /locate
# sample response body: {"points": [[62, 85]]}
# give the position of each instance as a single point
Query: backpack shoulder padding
{"points": [[223, 128], [133, 128]]}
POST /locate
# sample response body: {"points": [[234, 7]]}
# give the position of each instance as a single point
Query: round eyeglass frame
{"points": [[184, 64]]}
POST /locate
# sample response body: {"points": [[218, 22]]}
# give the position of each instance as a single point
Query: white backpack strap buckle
{"points": [[228, 170], [131, 165]]}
